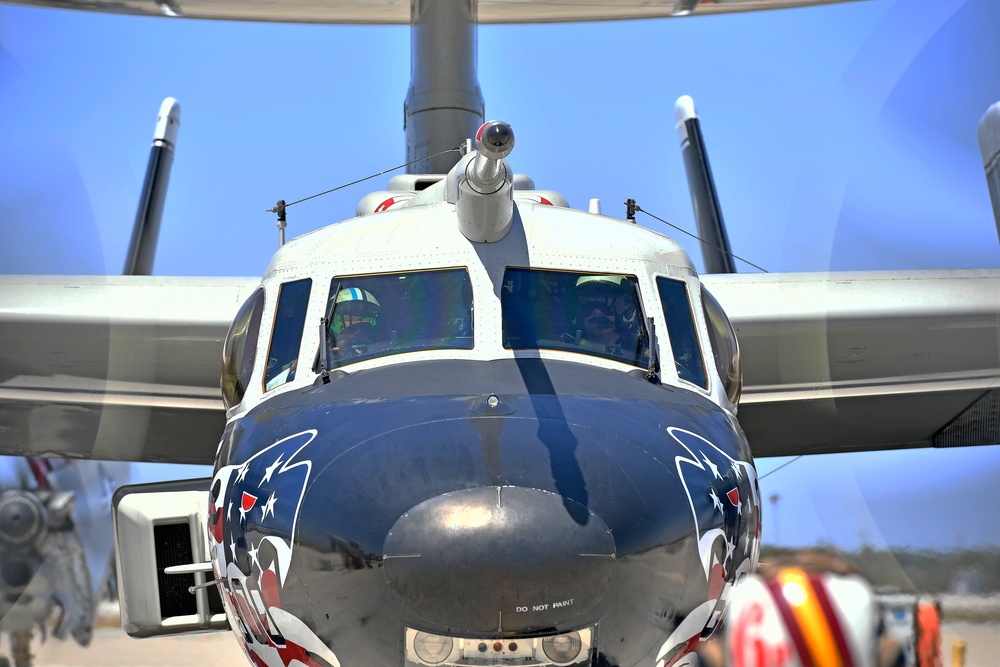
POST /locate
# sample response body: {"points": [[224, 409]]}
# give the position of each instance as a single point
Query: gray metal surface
{"points": [[444, 105], [395, 11], [120, 368], [867, 360]]}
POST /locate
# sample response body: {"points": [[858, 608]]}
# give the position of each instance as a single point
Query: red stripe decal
{"points": [[832, 617], [794, 631]]}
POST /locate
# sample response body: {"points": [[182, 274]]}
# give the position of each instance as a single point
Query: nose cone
{"points": [[499, 559]]}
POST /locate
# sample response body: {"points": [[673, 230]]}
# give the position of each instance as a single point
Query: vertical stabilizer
{"points": [[989, 145], [146, 230], [707, 212]]}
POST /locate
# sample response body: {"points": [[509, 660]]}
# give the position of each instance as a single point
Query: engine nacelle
{"points": [[162, 552]]}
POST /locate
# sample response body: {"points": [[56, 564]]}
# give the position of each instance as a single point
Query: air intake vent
{"points": [[979, 424], [173, 547]]}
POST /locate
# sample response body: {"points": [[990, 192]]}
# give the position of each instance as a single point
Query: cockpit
{"points": [[599, 315], [584, 314], [395, 313], [420, 281]]}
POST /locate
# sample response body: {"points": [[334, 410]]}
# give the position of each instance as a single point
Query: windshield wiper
{"points": [[654, 363], [647, 333], [324, 348]]}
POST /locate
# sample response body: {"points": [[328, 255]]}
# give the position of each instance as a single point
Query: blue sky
{"points": [[841, 137]]}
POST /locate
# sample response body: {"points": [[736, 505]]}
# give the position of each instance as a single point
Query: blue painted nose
{"points": [[498, 559]]}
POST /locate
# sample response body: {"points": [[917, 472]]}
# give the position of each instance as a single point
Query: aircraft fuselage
{"points": [[583, 498], [489, 431]]}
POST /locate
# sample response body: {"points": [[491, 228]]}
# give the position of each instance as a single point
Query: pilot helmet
{"points": [[610, 294], [354, 306]]}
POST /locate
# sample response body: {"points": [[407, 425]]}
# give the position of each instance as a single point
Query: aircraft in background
{"points": [[56, 548], [471, 425]]}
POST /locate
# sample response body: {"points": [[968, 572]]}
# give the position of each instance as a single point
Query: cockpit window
{"points": [[240, 349], [579, 312], [289, 321], [725, 347], [392, 313], [682, 331]]}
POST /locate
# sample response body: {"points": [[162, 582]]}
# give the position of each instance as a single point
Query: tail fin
{"points": [[715, 248], [989, 146], [146, 230]]}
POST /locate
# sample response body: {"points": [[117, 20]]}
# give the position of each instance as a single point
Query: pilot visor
{"points": [[347, 321], [589, 305], [351, 314]]}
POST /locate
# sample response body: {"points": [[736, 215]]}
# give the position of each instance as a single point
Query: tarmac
{"points": [[111, 646]]}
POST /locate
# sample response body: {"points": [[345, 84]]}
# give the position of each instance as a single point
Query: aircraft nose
{"points": [[498, 559]]}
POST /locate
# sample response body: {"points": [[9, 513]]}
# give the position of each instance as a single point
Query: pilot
{"points": [[354, 321], [603, 305]]}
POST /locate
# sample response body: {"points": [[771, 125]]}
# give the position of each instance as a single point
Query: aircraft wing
{"points": [[114, 367], [394, 11], [838, 362], [127, 368]]}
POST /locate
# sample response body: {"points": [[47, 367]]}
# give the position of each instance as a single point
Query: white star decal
{"points": [[252, 552], [738, 469], [729, 549], [268, 507], [270, 470], [243, 513], [714, 468], [715, 499], [232, 548], [242, 471]]}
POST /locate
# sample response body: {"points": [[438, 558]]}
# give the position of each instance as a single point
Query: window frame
{"points": [[466, 284], [637, 360], [732, 378], [303, 304], [253, 310], [673, 332]]}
